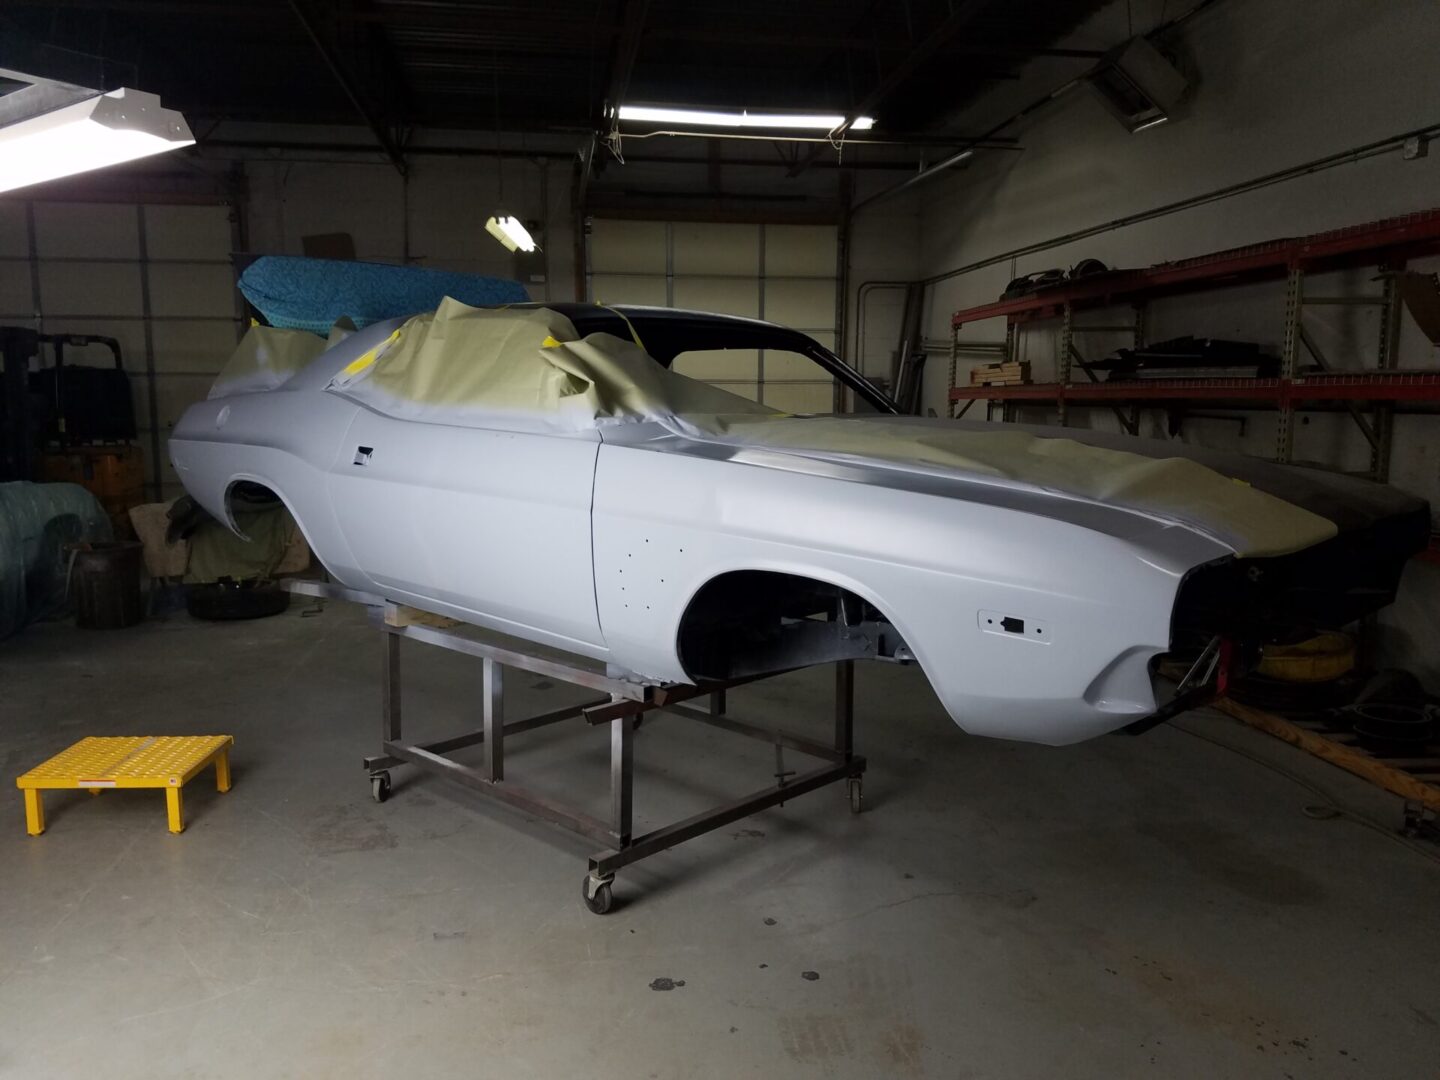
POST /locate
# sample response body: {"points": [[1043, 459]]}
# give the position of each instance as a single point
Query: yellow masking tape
{"points": [[626, 321], [360, 363]]}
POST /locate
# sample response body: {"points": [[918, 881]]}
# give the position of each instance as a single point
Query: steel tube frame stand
{"points": [[623, 705]]}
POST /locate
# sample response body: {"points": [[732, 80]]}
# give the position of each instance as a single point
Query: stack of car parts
{"points": [[1189, 358], [1387, 712], [1046, 279], [1303, 679]]}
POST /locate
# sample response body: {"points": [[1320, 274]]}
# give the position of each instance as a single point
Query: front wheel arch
{"points": [[746, 622]]}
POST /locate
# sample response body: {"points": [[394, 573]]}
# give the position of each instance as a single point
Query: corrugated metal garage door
{"points": [[783, 273], [155, 277]]}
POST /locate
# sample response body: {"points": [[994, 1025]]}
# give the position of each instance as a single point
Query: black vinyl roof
{"points": [[665, 333]]}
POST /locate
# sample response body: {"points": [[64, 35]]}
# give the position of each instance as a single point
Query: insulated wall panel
{"points": [[196, 347], [90, 288], [14, 239], [800, 251], [95, 263], [800, 398], [709, 249], [187, 232], [631, 247], [648, 289], [16, 301], [87, 230], [781, 273], [804, 304], [728, 296], [182, 289]]}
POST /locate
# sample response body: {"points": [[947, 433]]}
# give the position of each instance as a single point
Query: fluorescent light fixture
{"points": [[103, 130], [510, 232], [743, 119], [1148, 124]]}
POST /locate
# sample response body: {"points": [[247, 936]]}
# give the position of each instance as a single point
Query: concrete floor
{"points": [[1129, 907]]}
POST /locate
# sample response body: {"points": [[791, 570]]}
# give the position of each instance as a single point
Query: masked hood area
{"points": [[1255, 507]]}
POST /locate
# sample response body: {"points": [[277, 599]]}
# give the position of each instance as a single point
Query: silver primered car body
{"points": [[598, 541]]}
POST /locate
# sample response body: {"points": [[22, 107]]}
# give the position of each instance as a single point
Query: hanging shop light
{"points": [[106, 129], [511, 232], [506, 228]]}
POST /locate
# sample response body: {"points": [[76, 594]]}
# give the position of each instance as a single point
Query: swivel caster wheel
{"points": [[855, 792], [597, 894], [380, 786]]}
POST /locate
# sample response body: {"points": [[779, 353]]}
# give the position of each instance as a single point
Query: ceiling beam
{"points": [[737, 207], [633, 14], [342, 77], [728, 35], [961, 15], [492, 24], [301, 146]]}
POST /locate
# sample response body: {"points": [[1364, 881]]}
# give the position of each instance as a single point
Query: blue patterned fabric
{"points": [[313, 294], [36, 522]]}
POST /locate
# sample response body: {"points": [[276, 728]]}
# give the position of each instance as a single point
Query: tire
{"points": [[223, 601]]}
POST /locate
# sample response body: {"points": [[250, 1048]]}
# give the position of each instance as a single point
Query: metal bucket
{"points": [[105, 582]]}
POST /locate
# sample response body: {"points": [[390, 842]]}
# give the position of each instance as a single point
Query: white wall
{"points": [[294, 186], [295, 193], [884, 246], [89, 277], [86, 235], [433, 217], [1277, 83], [1273, 91]]}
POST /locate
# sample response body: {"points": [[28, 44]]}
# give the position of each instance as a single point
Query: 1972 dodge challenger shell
{"points": [[540, 470]]}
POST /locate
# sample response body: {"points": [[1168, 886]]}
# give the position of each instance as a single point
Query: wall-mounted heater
{"points": [[1138, 85]]}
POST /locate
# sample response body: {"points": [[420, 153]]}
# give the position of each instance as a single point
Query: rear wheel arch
{"points": [[259, 492]]}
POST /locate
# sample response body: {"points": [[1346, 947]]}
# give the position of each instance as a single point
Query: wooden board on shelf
{"points": [[1396, 775], [1008, 373]]}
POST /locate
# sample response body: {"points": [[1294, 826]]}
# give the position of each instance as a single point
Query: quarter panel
{"points": [[286, 442]]}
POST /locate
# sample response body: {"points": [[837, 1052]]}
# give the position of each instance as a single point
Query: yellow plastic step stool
{"points": [[128, 761]]}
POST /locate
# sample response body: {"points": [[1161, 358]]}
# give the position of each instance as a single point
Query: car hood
{"points": [[1255, 507]]}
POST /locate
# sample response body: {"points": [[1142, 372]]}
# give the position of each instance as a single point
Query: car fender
{"points": [[1095, 605], [286, 442]]}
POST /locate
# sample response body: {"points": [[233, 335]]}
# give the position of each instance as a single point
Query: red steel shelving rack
{"points": [[1387, 245]]}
